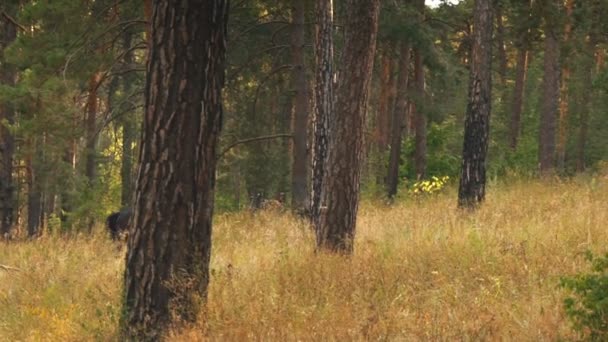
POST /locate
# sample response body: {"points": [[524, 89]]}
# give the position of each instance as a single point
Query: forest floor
{"points": [[422, 270]]}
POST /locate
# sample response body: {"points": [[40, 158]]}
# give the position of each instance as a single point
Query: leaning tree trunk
{"points": [[167, 271], [8, 33], [398, 121], [550, 97], [341, 184], [477, 123], [299, 169], [324, 106]]}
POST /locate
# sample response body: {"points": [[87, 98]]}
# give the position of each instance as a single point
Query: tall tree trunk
{"points": [[299, 169], [563, 98], [128, 124], [471, 191], [388, 88], [419, 115], [324, 106], [521, 73], [167, 271], [550, 97], [500, 40], [91, 129], [341, 184], [35, 210], [398, 121], [591, 67], [8, 33]]}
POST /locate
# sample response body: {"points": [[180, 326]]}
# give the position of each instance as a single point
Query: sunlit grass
{"points": [[422, 270]]}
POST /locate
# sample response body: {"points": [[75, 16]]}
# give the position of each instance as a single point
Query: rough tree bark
{"points": [[299, 169], [8, 33], [471, 191], [550, 97], [398, 121], [341, 184], [167, 270], [324, 106]]}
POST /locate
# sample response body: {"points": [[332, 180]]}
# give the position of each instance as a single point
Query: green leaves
{"points": [[587, 307]]}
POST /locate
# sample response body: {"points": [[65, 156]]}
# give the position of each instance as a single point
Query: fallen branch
{"points": [[9, 268]]}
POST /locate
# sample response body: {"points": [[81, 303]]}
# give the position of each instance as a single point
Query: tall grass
{"points": [[422, 270]]}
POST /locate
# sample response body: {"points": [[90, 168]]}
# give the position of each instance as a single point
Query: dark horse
{"points": [[119, 222]]}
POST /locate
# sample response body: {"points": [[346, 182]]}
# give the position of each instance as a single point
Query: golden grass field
{"points": [[422, 270]]}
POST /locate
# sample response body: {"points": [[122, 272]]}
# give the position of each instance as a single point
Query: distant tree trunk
{"points": [[419, 115], [500, 40], [398, 121], [471, 191], [583, 129], [521, 72], [388, 86], [563, 99], [550, 97], [324, 97], [128, 124], [167, 271], [341, 185], [91, 129], [35, 210], [8, 33], [299, 170]]}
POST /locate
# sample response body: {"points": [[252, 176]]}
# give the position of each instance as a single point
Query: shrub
{"points": [[587, 308]]}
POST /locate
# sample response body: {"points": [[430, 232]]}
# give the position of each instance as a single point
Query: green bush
{"points": [[587, 308]]}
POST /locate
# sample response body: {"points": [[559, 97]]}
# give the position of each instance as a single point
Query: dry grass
{"points": [[422, 271]]}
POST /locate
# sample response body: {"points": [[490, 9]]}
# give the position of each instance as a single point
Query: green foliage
{"points": [[587, 308]]}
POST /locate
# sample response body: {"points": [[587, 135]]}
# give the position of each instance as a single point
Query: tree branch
{"points": [[245, 141], [12, 20]]}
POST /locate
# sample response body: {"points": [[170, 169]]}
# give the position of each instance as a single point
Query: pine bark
{"points": [[550, 98], [8, 33], [471, 191], [341, 184], [167, 271], [324, 106], [398, 121], [299, 169]]}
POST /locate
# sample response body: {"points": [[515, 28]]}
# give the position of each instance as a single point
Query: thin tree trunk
{"points": [[8, 33], [550, 98], [500, 40], [591, 66], [34, 195], [563, 99], [521, 73], [128, 126], [471, 191], [299, 171], [398, 121], [91, 129], [324, 106], [419, 116], [167, 270], [341, 184]]}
